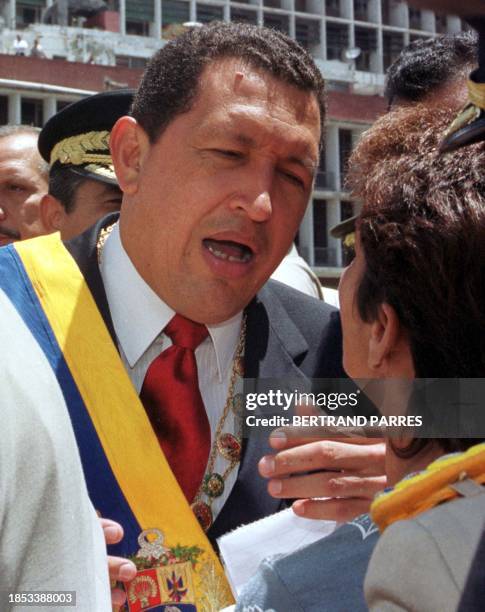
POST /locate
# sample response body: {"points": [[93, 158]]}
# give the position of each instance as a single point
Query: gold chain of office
{"points": [[226, 444]]}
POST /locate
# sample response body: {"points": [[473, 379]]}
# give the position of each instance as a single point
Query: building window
{"points": [[361, 10], [128, 61], [414, 19], [337, 40], [174, 14], [393, 44], [324, 255], [391, 12], [366, 40], [32, 112], [277, 22], [272, 3], [300, 6], [29, 12], [320, 230], [3, 110], [307, 33], [61, 104], [207, 13], [138, 28], [243, 16], [332, 8], [139, 16], [345, 149], [441, 24], [324, 180]]}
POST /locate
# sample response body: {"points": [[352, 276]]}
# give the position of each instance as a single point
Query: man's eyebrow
{"points": [[304, 162]]}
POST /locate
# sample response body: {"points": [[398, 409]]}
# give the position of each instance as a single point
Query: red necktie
{"points": [[172, 400]]}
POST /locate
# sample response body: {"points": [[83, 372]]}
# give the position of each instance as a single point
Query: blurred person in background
{"points": [[23, 182], [82, 183]]}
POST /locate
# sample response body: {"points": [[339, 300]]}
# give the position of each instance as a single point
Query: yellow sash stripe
{"points": [[119, 418]]}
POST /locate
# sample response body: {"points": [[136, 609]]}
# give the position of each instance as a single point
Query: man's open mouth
{"points": [[228, 250]]}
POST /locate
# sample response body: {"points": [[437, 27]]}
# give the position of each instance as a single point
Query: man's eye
{"points": [[15, 187], [229, 153], [293, 178]]}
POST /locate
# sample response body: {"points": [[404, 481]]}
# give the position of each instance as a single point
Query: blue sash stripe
{"points": [[103, 488]]}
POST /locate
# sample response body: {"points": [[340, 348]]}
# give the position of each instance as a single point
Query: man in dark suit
{"points": [[216, 166]]}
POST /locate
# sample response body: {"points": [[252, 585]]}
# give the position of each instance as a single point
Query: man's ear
{"points": [[52, 214], [128, 144], [389, 350]]}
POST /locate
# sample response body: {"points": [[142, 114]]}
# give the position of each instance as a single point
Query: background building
{"points": [[91, 45]]}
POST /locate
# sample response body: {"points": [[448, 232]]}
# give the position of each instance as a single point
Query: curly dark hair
{"points": [[422, 231], [170, 82], [425, 65]]}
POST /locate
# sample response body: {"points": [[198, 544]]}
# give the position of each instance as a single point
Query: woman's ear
{"points": [[389, 350], [128, 144]]}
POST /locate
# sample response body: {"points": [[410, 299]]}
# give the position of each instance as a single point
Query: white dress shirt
{"points": [[139, 316]]}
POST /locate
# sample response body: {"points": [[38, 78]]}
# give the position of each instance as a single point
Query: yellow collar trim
{"points": [[421, 492]]}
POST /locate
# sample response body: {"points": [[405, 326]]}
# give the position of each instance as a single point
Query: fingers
{"points": [[367, 459], [118, 598], [113, 532], [327, 484], [289, 437], [340, 510], [120, 569]]}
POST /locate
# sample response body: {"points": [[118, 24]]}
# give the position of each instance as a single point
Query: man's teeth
{"points": [[244, 258]]}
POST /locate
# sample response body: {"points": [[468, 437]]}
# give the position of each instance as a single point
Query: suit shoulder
{"points": [[300, 306]]}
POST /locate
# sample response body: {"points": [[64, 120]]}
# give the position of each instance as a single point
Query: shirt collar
{"points": [[139, 314]]}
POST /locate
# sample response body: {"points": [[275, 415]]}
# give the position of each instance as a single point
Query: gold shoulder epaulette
{"points": [[425, 490]]}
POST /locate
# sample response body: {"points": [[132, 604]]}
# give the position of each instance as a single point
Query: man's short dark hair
{"points": [[170, 83], [425, 65], [63, 185], [14, 130]]}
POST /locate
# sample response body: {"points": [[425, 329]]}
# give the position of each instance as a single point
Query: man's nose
{"points": [[254, 196], [256, 205]]}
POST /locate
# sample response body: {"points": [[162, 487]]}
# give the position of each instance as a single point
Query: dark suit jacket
{"points": [[288, 335]]}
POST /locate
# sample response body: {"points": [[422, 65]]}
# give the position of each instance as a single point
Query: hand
{"points": [[349, 471], [119, 569]]}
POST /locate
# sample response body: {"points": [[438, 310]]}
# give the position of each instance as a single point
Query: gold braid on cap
{"points": [[75, 149], [472, 109], [476, 93], [349, 240]]}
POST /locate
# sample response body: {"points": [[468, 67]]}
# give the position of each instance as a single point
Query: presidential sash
{"points": [[127, 475]]}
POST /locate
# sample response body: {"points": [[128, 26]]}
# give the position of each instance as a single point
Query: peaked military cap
{"points": [[77, 137], [345, 230]]}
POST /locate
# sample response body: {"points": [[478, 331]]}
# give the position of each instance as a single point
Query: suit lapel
{"points": [[273, 343], [83, 250]]}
